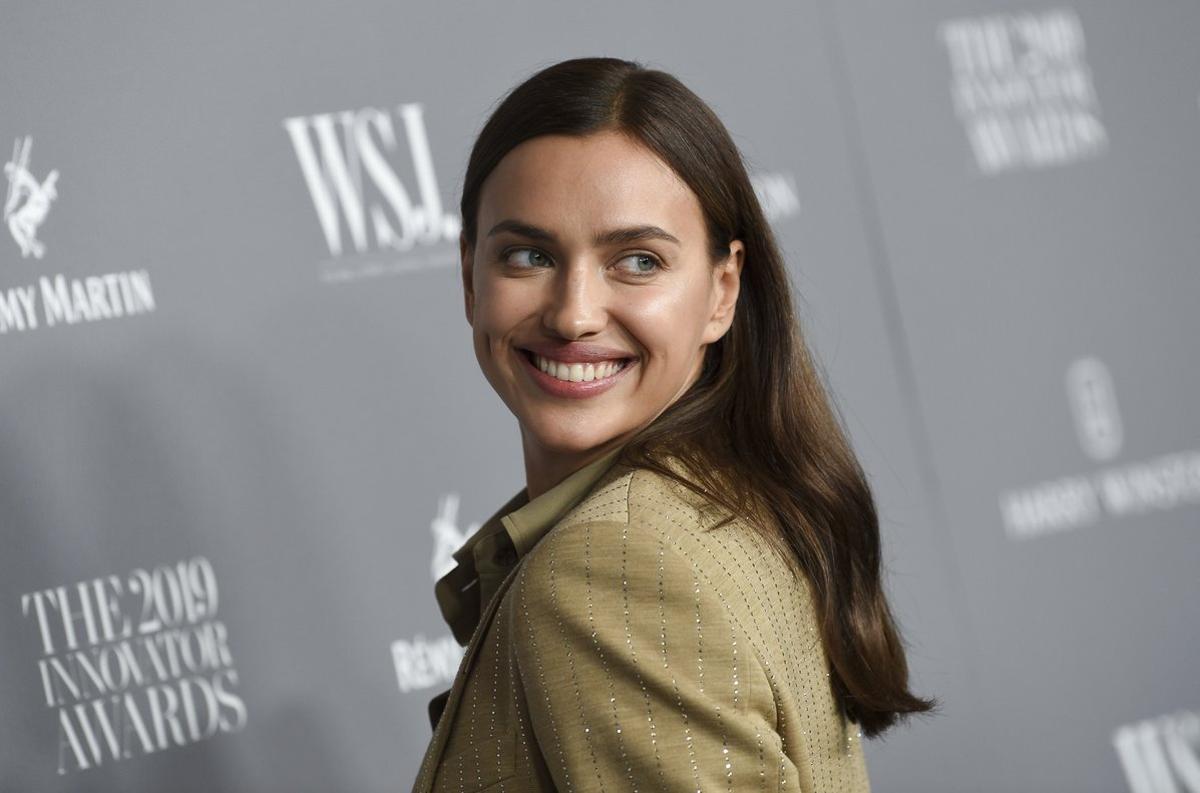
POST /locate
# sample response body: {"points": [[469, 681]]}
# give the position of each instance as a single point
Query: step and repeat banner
{"points": [[242, 428]]}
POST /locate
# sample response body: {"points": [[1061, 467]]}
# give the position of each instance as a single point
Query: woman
{"points": [[687, 593]]}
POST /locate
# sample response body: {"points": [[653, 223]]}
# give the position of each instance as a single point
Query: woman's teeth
{"points": [[577, 372]]}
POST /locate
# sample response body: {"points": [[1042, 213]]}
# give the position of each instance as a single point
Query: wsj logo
{"points": [[28, 200], [1093, 401], [351, 166], [1161, 755]]}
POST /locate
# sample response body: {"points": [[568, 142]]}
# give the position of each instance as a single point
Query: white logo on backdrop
{"points": [[1093, 402], [1161, 755], [777, 193], [1158, 484], [1022, 89], [64, 300], [136, 664], [28, 200], [371, 222], [446, 535], [421, 662]]}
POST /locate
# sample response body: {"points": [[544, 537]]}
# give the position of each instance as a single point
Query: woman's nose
{"points": [[576, 305]]}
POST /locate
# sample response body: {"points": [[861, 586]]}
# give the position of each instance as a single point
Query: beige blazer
{"points": [[631, 647]]}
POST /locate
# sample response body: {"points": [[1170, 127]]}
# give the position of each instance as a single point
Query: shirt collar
{"points": [[527, 524], [519, 523]]}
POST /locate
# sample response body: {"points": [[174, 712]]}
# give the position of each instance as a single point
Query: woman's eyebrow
{"points": [[613, 236]]}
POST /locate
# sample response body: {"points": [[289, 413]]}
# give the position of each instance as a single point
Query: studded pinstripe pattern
{"points": [[636, 648]]}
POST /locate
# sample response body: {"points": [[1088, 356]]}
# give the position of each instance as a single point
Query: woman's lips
{"points": [[570, 389]]}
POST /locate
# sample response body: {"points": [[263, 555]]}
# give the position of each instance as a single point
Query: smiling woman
{"points": [[687, 592], [595, 253]]}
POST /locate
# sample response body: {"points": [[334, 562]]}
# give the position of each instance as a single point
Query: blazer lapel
{"points": [[437, 745]]}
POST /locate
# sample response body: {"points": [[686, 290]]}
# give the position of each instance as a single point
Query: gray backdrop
{"points": [[233, 355]]}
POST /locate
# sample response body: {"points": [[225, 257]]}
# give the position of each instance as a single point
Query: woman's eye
{"points": [[643, 264], [535, 258]]}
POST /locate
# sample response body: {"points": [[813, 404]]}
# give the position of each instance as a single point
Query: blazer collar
{"points": [[527, 524], [519, 523]]}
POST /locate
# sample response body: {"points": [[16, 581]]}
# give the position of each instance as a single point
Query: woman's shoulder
{"points": [[643, 496], [643, 542], [648, 562], [639, 519], [686, 517]]}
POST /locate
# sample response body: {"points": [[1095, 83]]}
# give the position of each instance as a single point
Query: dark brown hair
{"points": [[756, 430]]}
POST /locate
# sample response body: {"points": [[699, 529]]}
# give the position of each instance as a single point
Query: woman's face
{"points": [[591, 262]]}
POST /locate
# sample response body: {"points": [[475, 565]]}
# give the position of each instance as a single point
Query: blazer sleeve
{"points": [[635, 675]]}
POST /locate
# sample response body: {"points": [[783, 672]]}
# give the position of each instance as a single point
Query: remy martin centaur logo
{"points": [[421, 662], [56, 299], [379, 210], [28, 200]]}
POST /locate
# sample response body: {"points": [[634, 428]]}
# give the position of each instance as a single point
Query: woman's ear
{"points": [[467, 255], [727, 279]]}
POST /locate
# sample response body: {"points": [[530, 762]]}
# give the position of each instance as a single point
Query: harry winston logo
{"points": [[1093, 401]]}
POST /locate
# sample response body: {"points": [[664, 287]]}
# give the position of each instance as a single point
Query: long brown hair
{"points": [[756, 430]]}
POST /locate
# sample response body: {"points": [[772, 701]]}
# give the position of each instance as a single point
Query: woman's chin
{"points": [[556, 440]]}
